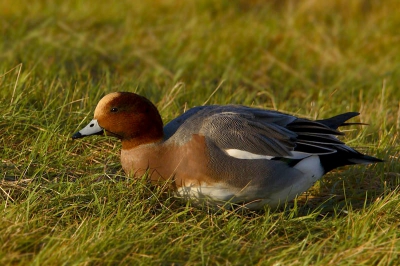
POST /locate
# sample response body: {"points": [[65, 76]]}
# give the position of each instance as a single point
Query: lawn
{"points": [[65, 202]]}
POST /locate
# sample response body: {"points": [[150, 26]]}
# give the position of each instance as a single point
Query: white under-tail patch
{"points": [[311, 167]]}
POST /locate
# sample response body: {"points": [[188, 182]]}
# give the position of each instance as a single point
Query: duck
{"points": [[224, 155]]}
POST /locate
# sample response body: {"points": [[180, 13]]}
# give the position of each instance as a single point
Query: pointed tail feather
{"points": [[339, 120], [345, 156], [365, 159]]}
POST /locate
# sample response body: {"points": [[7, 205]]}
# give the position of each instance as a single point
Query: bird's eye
{"points": [[114, 109]]}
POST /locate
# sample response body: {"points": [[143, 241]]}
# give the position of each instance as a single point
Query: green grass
{"points": [[65, 202]]}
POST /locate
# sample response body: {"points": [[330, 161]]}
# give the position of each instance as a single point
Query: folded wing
{"points": [[258, 131]]}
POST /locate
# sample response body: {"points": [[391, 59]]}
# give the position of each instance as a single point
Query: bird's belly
{"points": [[252, 196]]}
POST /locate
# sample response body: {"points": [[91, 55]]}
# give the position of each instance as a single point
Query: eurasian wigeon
{"points": [[224, 154]]}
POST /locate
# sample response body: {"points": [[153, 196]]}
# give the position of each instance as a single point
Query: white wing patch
{"points": [[239, 154]]}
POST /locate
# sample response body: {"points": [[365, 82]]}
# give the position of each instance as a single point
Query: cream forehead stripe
{"points": [[104, 101]]}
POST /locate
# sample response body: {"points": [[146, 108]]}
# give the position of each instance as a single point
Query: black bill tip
{"points": [[77, 135]]}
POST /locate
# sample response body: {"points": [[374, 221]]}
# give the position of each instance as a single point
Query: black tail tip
{"points": [[366, 159]]}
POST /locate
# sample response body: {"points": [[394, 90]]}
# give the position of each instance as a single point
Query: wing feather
{"points": [[257, 131]]}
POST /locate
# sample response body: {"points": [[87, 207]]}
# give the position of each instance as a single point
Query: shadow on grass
{"points": [[352, 188]]}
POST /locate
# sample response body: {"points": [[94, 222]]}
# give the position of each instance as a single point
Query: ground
{"points": [[68, 202]]}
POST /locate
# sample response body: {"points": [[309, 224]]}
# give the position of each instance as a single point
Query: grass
{"points": [[65, 202]]}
